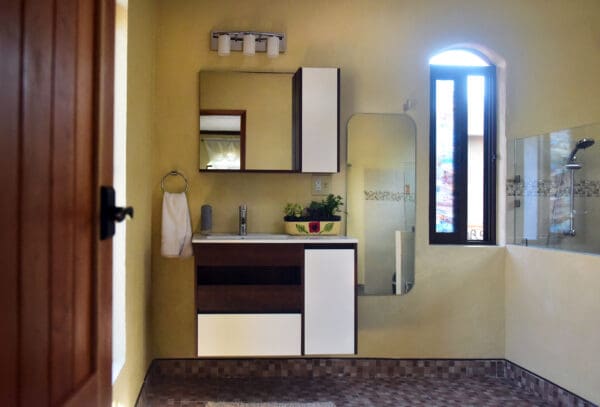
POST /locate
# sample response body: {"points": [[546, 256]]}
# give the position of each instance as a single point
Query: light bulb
{"points": [[273, 46], [249, 44], [224, 45]]}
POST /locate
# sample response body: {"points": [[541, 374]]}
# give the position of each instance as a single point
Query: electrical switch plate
{"points": [[321, 184]]}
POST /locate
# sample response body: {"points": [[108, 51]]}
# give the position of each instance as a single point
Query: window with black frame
{"points": [[462, 169]]}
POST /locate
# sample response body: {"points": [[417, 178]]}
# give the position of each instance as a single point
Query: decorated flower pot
{"points": [[324, 227]]}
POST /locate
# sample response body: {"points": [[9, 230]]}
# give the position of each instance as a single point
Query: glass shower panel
{"points": [[553, 190]]}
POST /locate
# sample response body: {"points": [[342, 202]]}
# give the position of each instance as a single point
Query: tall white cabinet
{"points": [[329, 301], [317, 119]]}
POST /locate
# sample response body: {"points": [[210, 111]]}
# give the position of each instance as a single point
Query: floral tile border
{"points": [[382, 195], [550, 188]]}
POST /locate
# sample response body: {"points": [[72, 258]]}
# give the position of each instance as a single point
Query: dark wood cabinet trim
{"points": [[338, 119], [355, 300], [249, 254], [329, 246], [204, 171], [254, 299], [297, 120]]}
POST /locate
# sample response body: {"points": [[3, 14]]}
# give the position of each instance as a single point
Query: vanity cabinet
{"points": [[316, 110], [291, 297]]}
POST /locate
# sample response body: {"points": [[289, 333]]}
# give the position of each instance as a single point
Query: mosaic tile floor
{"points": [[343, 391]]}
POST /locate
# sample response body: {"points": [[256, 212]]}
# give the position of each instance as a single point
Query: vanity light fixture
{"points": [[224, 45], [250, 42], [249, 46], [273, 46]]}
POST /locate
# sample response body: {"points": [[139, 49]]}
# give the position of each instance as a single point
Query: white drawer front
{"points": [[249, 334], [328, 302]]}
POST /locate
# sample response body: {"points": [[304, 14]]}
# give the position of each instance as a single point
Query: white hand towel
{"points": [[176, 240]]}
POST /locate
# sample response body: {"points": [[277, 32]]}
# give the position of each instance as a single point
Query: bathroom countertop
{"points": [[269, 238]]}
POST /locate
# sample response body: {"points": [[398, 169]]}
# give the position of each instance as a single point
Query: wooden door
{"points": [[56, 123]]}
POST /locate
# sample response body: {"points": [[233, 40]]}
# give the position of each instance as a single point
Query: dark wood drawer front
{"points": [[249, 254], [249, 275], [249, 298]]}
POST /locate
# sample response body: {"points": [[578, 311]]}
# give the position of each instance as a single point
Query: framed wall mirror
{"points": [[265, 136], [381, 201]]}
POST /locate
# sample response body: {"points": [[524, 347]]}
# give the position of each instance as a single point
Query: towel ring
{"points": [[173, 173]]}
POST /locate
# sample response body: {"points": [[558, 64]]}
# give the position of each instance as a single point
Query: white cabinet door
{"points": [[249, 334], [329, 301], [320, 120]]}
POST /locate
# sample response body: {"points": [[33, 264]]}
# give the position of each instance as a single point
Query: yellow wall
{"points": [[382, 47], [140, 133], [553, 316]]}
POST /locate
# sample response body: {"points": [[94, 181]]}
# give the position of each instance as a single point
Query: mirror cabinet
{"points": [[270, 121]]}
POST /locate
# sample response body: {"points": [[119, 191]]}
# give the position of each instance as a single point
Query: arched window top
{"points": [[458, 57]]}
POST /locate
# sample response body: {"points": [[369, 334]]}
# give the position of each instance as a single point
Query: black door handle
{"points": [[109, 213], [121, 213]]}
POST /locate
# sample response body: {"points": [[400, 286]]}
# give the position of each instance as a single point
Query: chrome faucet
{"points": [[243, 220]]}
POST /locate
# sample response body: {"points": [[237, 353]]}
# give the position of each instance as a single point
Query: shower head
{"points": [[585, 143], [580, 145]]}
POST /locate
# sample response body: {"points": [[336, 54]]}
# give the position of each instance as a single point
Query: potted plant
{"points": [[319, 218]]}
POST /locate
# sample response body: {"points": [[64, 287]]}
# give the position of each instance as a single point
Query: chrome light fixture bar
{"points": [[249, 42]]}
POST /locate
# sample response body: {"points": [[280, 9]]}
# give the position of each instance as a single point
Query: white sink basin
{"points": [[267, 238], [249, 236]]}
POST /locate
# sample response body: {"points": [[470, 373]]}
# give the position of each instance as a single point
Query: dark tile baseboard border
{"points": [[319, 367], [548, 391], [366, 368]]}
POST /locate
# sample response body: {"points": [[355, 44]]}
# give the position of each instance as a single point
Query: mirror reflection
{"points": [[266, 99], [381, 201], [222, 139]]}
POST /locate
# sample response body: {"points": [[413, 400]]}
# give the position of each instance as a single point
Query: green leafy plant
{"points": [[324, 210], [293, 210], [332, 204]]}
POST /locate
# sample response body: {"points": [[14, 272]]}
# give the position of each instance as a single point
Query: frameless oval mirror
{"points": [[266, 99], [381, 201]]}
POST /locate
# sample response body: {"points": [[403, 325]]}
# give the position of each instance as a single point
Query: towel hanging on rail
{"points": [[176, 226], [176, 233], [173, 173]]}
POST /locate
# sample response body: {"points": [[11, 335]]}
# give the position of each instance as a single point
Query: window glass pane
{"points": [[214, 122], [457, 57], [222, 152], [444, 156], [475, 104]]}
